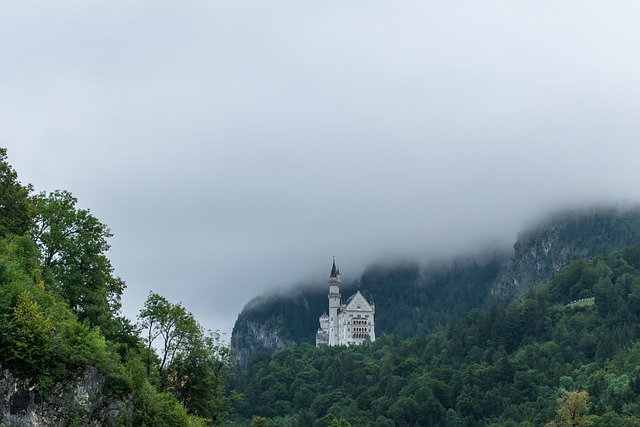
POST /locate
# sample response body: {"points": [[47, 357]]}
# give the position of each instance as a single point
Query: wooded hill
{"points": [[413, 299], [568, 354], [67, 356]]}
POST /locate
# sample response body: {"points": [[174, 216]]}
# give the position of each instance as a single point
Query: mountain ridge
{"points": [[413, 298]]}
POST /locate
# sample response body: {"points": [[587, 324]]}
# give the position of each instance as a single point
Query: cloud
{"points": [[234, 147]]}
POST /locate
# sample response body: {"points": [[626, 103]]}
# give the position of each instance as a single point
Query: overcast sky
{"points": [[236, 146]]}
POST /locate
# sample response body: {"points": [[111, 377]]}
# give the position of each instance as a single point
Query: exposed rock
{"points": [[542, 250], [76, 402], [269, 323], [260, 337]]}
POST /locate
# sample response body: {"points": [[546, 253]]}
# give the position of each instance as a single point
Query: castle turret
{"points": [[334, 304]]}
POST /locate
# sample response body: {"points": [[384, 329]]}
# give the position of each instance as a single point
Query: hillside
{"points": [[408, 299], [543, 249], [546, 360], [413, 298], [67, 355]]}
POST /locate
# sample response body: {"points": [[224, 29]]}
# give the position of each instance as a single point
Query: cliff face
{"points": [[542, 250], [259, 337], [270, 323], [412, 300], [78, 402]]}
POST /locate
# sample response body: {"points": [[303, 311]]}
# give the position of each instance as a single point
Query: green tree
{"points": [[193, 363], [154, 409], [197, 376], [15, 207], [169, 324], [73, 246], [572, 410], [259, 422], [30, 336], [339, 423]]}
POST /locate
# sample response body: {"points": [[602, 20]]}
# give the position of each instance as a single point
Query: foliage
{"points": [[156, 409], [562, 238], [192, 364], [73, 247], [417, 299], [259, 422], [508, 364], [171, 324], [15, 209], [59, 315], [29, 333], [413, 301], [41, 337], [572, 410], [445, 356]]}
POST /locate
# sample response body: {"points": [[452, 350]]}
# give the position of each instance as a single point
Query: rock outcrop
{"points": [[412, 299], [80, 402], [542, 250]]}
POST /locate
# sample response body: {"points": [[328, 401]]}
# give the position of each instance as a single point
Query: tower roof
{"points": [[334, 271]]}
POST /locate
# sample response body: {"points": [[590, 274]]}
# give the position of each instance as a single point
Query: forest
{"points": [[569, 354], [409, 300], [566, 354]]}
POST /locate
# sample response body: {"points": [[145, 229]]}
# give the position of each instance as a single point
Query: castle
{"points": [[349, 323]]}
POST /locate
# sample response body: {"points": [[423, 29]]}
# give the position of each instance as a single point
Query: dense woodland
{"points": [[414, 299], [409, 300], [567, 354], [547, 360]]}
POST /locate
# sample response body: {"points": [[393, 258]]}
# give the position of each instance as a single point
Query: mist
{"points": [[234, 148]]}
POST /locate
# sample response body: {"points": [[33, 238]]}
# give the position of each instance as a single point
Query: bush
{"points": [[155, 409]]}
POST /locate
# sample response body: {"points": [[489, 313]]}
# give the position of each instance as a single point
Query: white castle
{"points": [[346, 324]]}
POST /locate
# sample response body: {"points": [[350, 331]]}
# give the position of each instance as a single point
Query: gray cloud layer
{"points": [[234, 147]]}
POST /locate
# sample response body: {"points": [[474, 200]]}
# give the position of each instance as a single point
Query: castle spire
{"points": [[334, 271]]}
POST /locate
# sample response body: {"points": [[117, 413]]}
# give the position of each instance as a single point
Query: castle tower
{"points": [[334, 305]]}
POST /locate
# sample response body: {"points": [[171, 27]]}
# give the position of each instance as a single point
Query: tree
{"points": [[572, 410], [171, 323], [339, 423], [259, 422], [15, 208], [30, 336], [73, 246], [192, 363], [198, 374]]}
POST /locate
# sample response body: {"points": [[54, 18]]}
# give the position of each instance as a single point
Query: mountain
{"points": [[413, 299], [409, 300], [549, 360], [561, 238]]}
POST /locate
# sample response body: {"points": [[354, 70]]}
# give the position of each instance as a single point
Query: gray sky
{"points": [[236, 146]]}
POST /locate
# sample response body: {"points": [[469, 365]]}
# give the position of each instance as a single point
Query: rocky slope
{"points": [[543, 249], [272, 322], [412, 299], [79, 402]]}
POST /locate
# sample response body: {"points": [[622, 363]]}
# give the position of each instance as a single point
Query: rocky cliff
{"points": [[543, 249], [79, 402], [412, 299], [270, 323]]}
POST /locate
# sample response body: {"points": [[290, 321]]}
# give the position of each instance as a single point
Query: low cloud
{"points": [[235, 148]]}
